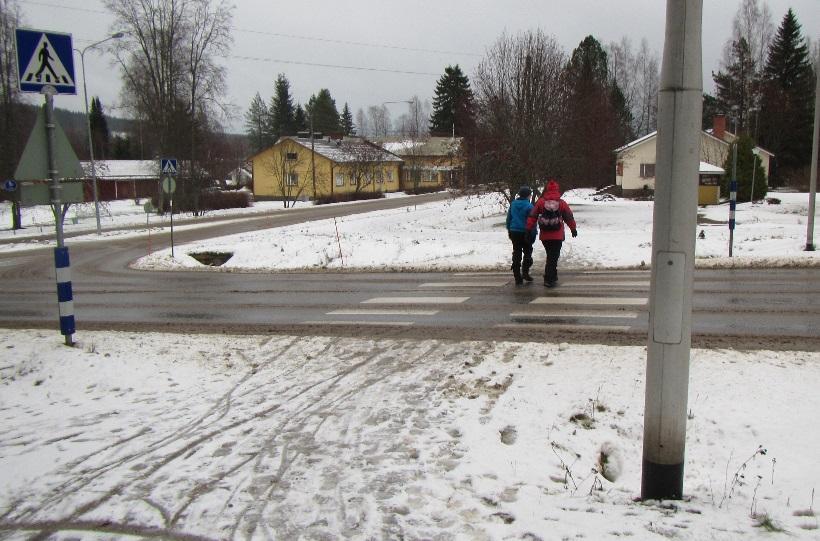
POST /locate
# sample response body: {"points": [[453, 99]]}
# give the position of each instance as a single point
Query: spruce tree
{"points": [[256, 125], [100, 136], [325, 115], [281, 111], [300, 119], [453, 104], [788, 102], [595, 118], [346, 121]]}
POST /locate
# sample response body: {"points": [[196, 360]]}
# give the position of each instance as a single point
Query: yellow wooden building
{"points": [[304, 168], [428, 161]]}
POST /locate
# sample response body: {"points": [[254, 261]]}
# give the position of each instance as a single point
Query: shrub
{"points": [[418, 190], [345, 197], [208, 200], [217, 200]]}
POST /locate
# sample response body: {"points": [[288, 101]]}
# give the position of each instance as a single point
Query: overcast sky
{"points": [[402, 47]]}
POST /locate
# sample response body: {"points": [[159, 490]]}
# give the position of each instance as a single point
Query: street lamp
{"points": [[118, 35]]}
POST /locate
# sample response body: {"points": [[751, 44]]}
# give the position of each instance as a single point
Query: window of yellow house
{"points": [[340, 179], [389, 175], [292, 156], [352, 179], [380, 176], [293, 179]]}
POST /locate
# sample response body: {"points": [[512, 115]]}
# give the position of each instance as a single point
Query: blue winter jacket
{"points": [[517, 215]]}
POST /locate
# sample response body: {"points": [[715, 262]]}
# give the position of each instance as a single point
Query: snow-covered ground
{"points": [[136, 435], [258, 437]]}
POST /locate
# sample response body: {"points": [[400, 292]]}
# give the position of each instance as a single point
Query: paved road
{"points": [[741, 308]]}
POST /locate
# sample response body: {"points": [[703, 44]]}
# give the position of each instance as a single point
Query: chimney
{"points": [[719, 126]]}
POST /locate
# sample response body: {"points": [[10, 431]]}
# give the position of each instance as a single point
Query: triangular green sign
{"points": [[34, 161]]}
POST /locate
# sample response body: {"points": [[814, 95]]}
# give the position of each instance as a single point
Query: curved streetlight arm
{"points": [[118, 35]]}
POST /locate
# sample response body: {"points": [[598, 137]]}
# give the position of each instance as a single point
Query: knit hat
{"points": [[552, 186], [524, 191]]}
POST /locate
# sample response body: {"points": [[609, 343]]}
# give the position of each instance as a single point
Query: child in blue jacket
{"points": [[522, 241]]}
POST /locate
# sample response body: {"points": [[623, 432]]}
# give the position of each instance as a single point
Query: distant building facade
{"points": [[298, 167], [428, 161], [635, 162]]}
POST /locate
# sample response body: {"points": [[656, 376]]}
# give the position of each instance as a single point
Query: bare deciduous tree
{"points": [[9, 96], [171, 77], [284, 166], [365, 163], [413, 124], [362, 123], [379, 120], [518, 95], [637, 74]]}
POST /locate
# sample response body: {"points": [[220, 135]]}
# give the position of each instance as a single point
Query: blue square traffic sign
{"points": [[45, 59], [168, 166]]}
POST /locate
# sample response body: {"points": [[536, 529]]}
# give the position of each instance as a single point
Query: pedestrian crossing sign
{"points": [[44, 59], [168, 166]]}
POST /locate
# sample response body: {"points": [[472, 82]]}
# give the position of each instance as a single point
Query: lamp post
{"points": [[118, 35]]}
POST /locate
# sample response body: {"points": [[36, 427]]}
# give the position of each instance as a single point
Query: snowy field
{"points": [[463, 233], [149, 435], [468, 233], [250, 437]]}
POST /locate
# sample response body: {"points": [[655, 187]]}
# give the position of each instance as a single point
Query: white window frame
{"points": [[292, 179], [340, 179], [645, 169]]}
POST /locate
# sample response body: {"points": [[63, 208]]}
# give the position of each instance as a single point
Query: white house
{"points": [[635, 162]]}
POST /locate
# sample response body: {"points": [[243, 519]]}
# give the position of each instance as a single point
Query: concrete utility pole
{"points": [[673, 251], [813, 175]]}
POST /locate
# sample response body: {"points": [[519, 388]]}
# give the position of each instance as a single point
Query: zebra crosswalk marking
{"points": [[416, 300], [630, 301]]}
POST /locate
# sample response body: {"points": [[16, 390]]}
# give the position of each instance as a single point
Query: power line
{"points": [[335, 66], [276, 34], [357, 43]]}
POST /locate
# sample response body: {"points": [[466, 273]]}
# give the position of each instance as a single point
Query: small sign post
{"points": [[169, 186], [149, 208]]}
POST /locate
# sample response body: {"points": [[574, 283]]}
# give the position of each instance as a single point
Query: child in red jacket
{"points": [[551, 213]]}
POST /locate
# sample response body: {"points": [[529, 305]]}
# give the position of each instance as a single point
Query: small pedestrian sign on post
{"points": [[168, 169], [45, 59], [168, 166]]}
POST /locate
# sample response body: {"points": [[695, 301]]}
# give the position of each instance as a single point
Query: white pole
{"points": [[673, 250], [88, 126], [814, 150]]}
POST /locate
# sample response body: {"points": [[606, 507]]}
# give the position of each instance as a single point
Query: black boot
{"points": [[517, 275], [526, 275]]}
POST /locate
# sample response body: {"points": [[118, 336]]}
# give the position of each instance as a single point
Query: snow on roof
{"points": [[349, 149], [709, 169], [638, 141], [123, 169], [709, 132], [429, 146], [401, 147]]}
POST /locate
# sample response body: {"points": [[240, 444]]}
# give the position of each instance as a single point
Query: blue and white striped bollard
{"points": [[65, 297]]}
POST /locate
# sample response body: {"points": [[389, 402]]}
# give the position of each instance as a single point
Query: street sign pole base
{"points": [[809, 248]]}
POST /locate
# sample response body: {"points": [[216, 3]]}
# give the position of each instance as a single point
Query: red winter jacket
{"points": [[552, 192]]}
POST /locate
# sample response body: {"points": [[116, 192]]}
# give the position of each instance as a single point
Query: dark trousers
{"points": [[553, 248], [522, 252]]}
